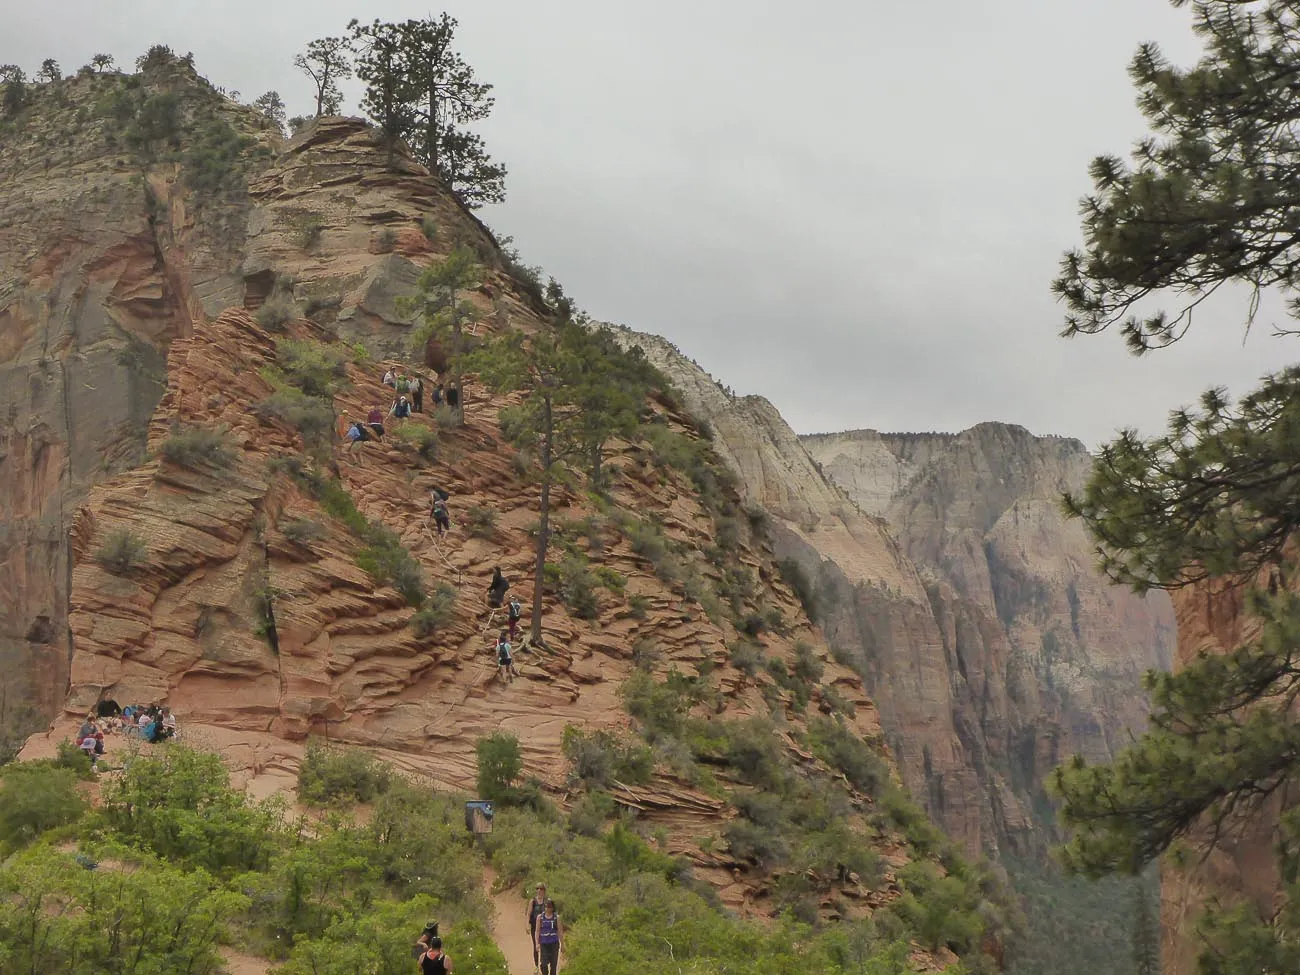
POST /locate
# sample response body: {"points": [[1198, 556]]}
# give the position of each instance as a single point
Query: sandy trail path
{"points": [[509, 928]]}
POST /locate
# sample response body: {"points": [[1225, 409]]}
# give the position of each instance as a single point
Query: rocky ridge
{"points": [[260, 636]]}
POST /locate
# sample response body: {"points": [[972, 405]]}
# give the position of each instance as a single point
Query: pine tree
{"points": [[1210, 199], [420, 89], [50, 71], [439, 304], [326, 62], [272, 107], [102, 62], [15, 89]]}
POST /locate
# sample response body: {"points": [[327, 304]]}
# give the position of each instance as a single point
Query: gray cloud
{"points": [[854, 210]]}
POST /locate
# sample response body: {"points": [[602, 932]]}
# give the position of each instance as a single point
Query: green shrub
{"points": [[35, 797], [797, 578], [195, 447], [597, 757], [835, 744], [386, 240], [611, 579], [660, 706], [639, 606], [746, 657], [303, 531], [481, 521], [499, 765], [276, 311], [763, 846], [429, 227], [69, 756], [388, 562], [316, 369], [590, 813], [423, 440], [645, 653], [944, 911], [309, 415], [123, 551], [332, 775], [436, 613], [808, 667], [576, 585]]}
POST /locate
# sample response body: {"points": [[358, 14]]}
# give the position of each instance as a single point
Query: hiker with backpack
{"points": [[505, 662], [401, 409], [513, 614], [497, 588], [436, 395], [416, 390], [441, 518], [375, 420], [548, 937], [390, 379], [536, 907]]}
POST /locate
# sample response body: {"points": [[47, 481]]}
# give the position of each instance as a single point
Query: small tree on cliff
{"points": [[439, 304], [1210, 199], [326, 62], [14, 80], [102, 62], [271, 105], [381, 65], [50, 71]]}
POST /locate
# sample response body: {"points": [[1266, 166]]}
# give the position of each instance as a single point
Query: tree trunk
{"points": [[544, 518], [431, 133], [596, 457], [455, 364]]}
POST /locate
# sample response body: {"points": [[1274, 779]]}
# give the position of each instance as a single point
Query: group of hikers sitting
{"points": [[152, 723]]}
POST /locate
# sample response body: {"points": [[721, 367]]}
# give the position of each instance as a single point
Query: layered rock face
{"points": [[947, 576], [1060, 651], [101, 268], [245, 607]]}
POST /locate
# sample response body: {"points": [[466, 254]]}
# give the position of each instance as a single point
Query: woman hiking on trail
{"points": [[548, 937], [434, 961]]}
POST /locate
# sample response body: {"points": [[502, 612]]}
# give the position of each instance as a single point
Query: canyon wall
{"points": [[946, 575]]}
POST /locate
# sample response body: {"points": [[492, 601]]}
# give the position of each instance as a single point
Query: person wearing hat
{"points": [[535, 907], [435, 961]]}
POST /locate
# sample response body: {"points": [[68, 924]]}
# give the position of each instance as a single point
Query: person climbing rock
{"points": [[441, 518], [435, 961], [390, 379], [401, 409], [497, 588], [416, 390], [535, 908], [513, 613], [550, 933], [375, 420], [505, 662], [358, 434]]}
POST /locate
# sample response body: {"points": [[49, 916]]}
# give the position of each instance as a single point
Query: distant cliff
{"points": [[947, 576]]}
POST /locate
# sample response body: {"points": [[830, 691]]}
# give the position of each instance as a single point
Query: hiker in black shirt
{"points": [[535, 908]]}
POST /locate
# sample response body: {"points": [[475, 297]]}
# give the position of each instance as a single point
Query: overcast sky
{"points": [[852, 208]]}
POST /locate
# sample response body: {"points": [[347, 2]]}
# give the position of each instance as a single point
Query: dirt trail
{"points": [[241, 964], [509, 928]]}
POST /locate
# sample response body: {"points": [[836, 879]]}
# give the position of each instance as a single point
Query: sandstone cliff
{"points": [[245, 607], [948, 578]]}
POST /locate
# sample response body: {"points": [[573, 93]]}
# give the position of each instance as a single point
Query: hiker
{"points": [[422, 943], [401, 409], [375, 420], [390, 379], [453, 395], [535, 908], [87, 746], [434, 961], [513, 613], [403, 384], [441, 518], [168, 723], [416, 390], [436, 396], [505, 663], [357, 433], [497, 588], [548, 937]]}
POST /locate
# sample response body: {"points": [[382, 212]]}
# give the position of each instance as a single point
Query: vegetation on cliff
{"points": [[1209, 201]]}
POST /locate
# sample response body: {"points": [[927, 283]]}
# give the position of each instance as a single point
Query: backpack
{"points": [[515, 611]]}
